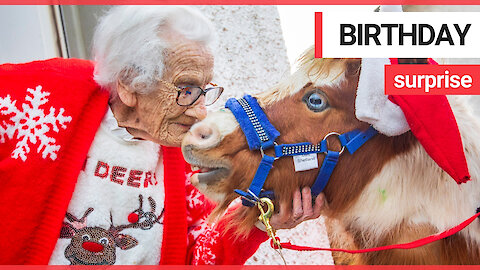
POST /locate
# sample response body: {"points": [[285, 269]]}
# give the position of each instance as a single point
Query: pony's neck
{"points": [[412, 191], [355, 173]]}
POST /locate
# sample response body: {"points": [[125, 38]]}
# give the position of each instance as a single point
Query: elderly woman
{"points": [[91, 172]]}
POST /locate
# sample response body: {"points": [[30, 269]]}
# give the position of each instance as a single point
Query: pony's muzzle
{"points": [[202, 136]]}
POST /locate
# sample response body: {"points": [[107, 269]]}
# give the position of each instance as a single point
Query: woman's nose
{"points": [[198, 109]]}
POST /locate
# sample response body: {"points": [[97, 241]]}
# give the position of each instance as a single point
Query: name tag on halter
{"points": [[305, 162]]}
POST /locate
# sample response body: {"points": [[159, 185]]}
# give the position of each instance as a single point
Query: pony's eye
{"points": [[316, 101]]}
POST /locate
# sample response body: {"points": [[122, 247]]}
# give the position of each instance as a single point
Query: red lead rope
{"points": [[414, 244]]}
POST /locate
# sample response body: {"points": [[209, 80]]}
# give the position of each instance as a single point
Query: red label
{"points": [[432, 79]]}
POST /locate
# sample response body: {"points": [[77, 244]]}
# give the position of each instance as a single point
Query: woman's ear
{"points": [[127, 97]]}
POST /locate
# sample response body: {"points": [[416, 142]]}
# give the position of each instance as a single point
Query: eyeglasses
{"points": [[189, 94]]}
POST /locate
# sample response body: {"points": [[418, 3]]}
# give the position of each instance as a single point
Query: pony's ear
{"points": [[353, 66]]}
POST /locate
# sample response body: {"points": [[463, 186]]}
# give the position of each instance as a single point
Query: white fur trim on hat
{"points": [[372, 105]]}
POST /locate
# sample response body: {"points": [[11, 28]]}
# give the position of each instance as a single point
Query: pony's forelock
{"points": [[319, 71]]}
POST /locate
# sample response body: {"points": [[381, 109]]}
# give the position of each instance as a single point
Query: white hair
{"points": [[128, 44]]}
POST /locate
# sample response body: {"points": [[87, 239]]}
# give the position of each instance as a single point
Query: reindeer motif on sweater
{"points": [[96, 245]]}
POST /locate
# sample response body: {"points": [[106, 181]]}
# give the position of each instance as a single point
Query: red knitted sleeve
{"points": [[208, 243]]}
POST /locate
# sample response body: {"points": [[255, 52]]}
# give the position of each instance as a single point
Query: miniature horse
{"points": [[389, 191]]}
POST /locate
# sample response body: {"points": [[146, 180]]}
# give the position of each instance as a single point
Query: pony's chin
{"points": [[212, 176], [206, 189]]}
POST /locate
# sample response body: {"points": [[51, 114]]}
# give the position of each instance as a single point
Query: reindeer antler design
{"points": [[69, 229], [72, 218], [139, 219], [145, 220]]}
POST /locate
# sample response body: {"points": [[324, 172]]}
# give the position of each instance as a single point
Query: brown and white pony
{"points": [[389, 191]]}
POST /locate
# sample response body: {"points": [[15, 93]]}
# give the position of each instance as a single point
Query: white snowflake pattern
{"points": [[204, 254], [31, 124], [198, 230], [194, 199]]}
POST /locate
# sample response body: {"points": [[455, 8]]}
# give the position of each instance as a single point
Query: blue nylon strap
{"points": [[248, 199], [348, 136], [260, 133], [261, 174], [351, 140], [329, 163], [355, 139], [258, 180], [299, 149]]}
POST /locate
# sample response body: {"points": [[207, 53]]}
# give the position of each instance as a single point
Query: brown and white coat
{"points": [[390, 191]]}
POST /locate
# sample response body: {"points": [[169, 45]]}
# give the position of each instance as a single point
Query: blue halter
{"points": [[261, 135]]}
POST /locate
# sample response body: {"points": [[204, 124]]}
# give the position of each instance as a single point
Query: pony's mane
{"points": [[319, 71]]}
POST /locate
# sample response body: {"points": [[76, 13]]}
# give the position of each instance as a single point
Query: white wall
{"points": [[298, 25], [250, 56], [27, 33]]}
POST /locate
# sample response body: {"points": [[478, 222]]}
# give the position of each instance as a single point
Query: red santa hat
{"points": [[430, 118]]}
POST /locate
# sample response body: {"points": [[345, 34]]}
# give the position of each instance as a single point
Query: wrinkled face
{"points": [[186, 63], [304, 108]]}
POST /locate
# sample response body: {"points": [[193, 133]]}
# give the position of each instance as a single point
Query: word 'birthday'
{"points": [[417, 34]]}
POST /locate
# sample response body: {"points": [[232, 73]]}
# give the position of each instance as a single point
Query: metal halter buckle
{"points": [[263, 153], [332, 134], [255, 197]]}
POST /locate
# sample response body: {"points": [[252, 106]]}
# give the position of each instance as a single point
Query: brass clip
{"points": [[265, 219]]}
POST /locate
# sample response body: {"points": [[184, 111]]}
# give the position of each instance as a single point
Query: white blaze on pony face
{"points": [[223, 120], [203, 136], [208, 133]]}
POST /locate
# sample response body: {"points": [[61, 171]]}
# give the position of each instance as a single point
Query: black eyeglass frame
{"points": [[203, 92]]}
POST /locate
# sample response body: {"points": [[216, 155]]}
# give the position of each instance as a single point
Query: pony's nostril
{"points": [[92, 246], [203, 132]]}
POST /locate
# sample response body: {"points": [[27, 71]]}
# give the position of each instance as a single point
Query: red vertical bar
{"points": [[318, 34]]}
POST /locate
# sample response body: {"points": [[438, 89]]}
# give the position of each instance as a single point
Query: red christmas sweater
{"points": [[49, 114]]}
